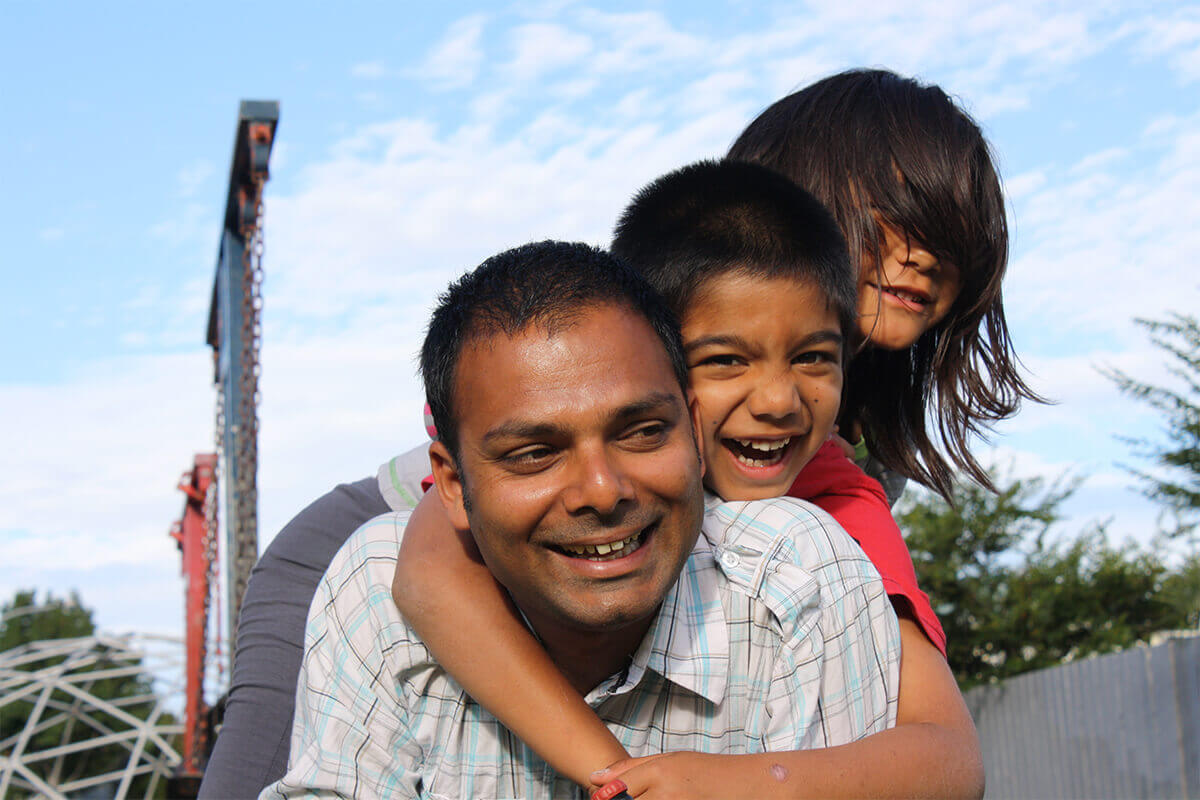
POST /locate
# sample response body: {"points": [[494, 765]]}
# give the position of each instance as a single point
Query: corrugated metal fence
{"points": [[1125, 725]]}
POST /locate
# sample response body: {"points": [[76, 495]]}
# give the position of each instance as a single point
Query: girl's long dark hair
{"points": [[876, 147]]}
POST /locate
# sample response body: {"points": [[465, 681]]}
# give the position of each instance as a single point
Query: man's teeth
{"points": [[607, 551]]}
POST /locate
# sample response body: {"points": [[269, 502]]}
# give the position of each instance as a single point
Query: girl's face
{"points": [[910, 292]]}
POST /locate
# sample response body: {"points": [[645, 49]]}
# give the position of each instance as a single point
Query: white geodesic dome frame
{"points": [[29, 675]]}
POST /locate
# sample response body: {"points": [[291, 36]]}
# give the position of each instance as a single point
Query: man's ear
{"points": [[447, 481], [697, 431]]}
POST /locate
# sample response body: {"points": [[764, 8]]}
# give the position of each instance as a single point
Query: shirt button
{"points": [[730, 560]]}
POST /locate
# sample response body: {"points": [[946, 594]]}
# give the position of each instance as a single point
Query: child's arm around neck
{"points": [[470, 625], [468, 622]]}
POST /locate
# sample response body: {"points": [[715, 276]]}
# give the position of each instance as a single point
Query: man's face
{"points": [[579, 467]]}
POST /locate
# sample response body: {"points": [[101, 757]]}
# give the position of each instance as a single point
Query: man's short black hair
{"points": [[718, 217], [548, 284]]}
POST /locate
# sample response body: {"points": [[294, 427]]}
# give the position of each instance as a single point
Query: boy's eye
{"points": [[816, 357], [720, 360]]}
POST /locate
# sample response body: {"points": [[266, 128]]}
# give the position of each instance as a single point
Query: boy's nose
{"points": [[775, 398]]}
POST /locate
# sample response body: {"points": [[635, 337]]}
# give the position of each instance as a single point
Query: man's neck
{"points": [[587, 658]]}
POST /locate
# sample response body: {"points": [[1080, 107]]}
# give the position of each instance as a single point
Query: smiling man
{"points": [[568, 451]]}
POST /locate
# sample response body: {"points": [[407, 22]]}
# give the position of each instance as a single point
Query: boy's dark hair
{"points": [[874, 146], [548, 284], [718, 217]]}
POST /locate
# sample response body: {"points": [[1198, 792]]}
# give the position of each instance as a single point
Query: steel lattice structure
{"points": [[51, 682]]}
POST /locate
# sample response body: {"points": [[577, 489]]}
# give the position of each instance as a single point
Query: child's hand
{"points": [[847, 448], [670, 776]]}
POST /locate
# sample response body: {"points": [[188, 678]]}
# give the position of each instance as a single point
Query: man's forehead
{"points": [[532, 425], [606, 361]]}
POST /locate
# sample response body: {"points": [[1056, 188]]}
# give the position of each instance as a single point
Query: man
{"points": [[567, 450]]}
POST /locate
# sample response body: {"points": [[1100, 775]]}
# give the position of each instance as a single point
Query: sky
{"points": [[414, 144]]}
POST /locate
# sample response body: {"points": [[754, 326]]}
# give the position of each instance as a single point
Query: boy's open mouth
{"points": [[758, 453], [608, 551]]}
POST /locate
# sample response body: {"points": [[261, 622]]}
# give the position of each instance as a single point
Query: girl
{"points": [[910, 179]]}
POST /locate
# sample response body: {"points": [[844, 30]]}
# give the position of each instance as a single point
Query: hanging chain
{"points": [[245, 546]]}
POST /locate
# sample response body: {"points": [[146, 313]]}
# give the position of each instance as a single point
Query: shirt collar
{"points": [[688, 644]]}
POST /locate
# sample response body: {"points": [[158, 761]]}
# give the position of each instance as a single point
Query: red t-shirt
{"points": [[836, 484]]}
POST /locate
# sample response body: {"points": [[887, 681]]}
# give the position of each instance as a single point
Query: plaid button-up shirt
{"points": [[777, 636]]}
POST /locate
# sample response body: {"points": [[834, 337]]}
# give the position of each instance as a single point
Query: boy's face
{"points": [[765, 363], [910, 292]]}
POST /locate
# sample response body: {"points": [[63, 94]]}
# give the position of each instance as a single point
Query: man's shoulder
{"points": [[354, 598], [372, 548], [787, 553]]}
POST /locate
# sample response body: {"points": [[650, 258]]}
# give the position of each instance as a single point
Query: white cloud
{"points": [[1174, 34], [1104, 495], [1020, 186], [454, 62], [96, 460], [541, 48], [52, 234], [1100, 242], [192, 224], [638, 42], [1094, 162], [368, 70], [193, 177]]}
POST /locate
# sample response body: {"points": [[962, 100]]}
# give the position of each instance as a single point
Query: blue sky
{"points": [[414, 144]]}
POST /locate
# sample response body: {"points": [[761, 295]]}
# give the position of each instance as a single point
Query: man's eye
{"points": [[529, 456], [648, 434]]}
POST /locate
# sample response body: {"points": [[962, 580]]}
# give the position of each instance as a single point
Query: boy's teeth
{"points": [[758, 453], [606, 551], [766, 447]]}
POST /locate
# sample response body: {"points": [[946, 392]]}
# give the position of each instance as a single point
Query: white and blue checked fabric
{"points": [[777, 636]]}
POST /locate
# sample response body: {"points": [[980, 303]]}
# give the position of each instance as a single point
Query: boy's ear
{"points": [[697, 431], [447, 482]]}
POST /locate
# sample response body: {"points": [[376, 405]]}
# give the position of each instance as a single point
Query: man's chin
{"points": [[603, 616]]}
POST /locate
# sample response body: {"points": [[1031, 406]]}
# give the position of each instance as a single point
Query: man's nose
{"points": [[599, 483], [775, 397]]}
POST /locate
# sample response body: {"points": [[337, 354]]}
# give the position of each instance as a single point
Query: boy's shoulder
{"points": [[788, 553]]}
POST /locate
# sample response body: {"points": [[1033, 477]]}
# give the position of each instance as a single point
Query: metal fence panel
{"points": [[1126, 725]]}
